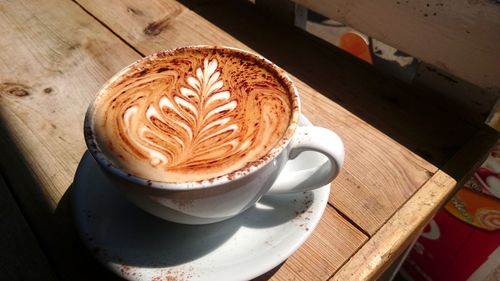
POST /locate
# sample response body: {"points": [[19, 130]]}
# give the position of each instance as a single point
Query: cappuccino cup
{"points": [[199, 134]]}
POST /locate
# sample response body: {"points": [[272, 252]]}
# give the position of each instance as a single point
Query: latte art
{"points": [[191, 115], [182, 123]]}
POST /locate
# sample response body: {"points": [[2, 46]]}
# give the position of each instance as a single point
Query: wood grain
{"points": [[386, 170], [322, 254], [53, 62], [55, 58], [464, 35], [19, 247]]}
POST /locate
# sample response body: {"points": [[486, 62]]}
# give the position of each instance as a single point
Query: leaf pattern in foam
{"points": [[201, 110]]}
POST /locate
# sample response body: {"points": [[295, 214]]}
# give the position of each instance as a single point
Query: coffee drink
{"points": [[192, 114], [199, 134]]}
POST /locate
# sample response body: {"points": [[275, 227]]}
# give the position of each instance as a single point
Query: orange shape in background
{"points": [[356, 45], [475, 208]]}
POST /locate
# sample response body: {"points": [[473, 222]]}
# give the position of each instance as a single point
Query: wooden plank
{"points": [[55, 57], [392, 239], [464, 35], [380, 161], [19, 247], [474, 103], [405, 225]]}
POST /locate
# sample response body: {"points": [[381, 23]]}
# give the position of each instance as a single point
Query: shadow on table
{"points": [[54, 229]]}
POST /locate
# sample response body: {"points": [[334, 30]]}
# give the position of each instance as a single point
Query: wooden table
{"points": [[404, 155]]}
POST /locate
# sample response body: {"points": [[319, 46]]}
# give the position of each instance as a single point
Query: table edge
{"points": [[371, 260]]}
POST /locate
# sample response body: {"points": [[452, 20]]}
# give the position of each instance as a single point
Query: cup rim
{"points": [[240, 173]]}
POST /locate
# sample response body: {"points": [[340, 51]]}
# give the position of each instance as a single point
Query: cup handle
{"points": [[316, 139]]}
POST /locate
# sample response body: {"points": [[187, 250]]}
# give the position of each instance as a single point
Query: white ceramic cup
{"points": [[214, 200]]}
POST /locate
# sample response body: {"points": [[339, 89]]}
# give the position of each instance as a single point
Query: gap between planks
{"points": [[349, 220], [109, 28]]}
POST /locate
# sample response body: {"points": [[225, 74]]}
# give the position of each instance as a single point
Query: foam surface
{"points": [[191, 115]]}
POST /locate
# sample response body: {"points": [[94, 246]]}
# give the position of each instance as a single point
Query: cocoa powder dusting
{"points": [[302, 213]]}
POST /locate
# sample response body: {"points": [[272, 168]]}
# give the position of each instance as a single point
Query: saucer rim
{"points": [[250, 273]]}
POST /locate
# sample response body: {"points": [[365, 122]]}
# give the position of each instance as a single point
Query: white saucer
{"points": [[138, 246]]}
